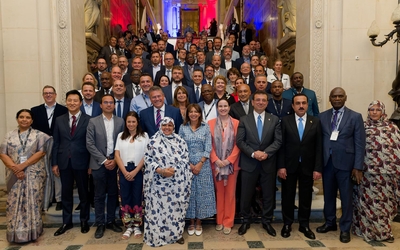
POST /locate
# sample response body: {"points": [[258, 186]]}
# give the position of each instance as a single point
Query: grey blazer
{"points": [[96, 139]]}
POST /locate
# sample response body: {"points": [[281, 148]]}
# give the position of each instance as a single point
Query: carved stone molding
{"points": [[317, 53], [64, 39], [93, 47], [287, 50]]}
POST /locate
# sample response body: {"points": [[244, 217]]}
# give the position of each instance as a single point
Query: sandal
{"points": [[190, 230], [136, 232], [227, 230], [199, 230], [219, 227], [127, 233]]}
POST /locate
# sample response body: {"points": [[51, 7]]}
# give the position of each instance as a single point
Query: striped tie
{"points": [[158, 118]]}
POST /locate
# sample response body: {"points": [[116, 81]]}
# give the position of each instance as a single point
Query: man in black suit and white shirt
{"points": [[44, 119], [133, 88], [106, 82], [177, 77], [70, 161], [243, 106], [109, 49], [300, 160], [101, 67]]}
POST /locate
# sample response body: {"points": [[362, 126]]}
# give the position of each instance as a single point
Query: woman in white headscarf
{"points": [[167, 183]]}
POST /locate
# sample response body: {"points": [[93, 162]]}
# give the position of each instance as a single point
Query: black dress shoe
{"points": [[84, 227], [344, 237], [181, 241], [63, 229], [113, 226], [59, 206], [99, 231], [326, 228], [285, 232], [243, 228], [307, 232], [269, 228]]}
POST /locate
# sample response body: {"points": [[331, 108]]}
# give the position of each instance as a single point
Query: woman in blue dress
{"points": [[166, 186], [197, 135]]}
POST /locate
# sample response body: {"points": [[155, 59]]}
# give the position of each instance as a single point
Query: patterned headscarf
{"points": [[383, 121]]}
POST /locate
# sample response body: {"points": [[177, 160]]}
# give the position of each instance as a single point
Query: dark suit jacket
{"points": [[96, 74], [148, 123], [232, 30], [129, 91], [248, 142], [209, 56], [349, 148], [309, 148], [127, 104], [248, 35], [67, 147], [127, 78], [96, 110], [168, 94], [99, 94], [96, 139], [237, 110], [105, 53], [169, 48], [40, 118], [286, 108]]}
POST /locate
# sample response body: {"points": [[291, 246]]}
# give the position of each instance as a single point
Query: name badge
{"points": [[22, 159], [334, 135]]}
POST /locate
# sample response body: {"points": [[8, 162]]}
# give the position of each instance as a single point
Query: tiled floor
{"points": [[256, 237]]}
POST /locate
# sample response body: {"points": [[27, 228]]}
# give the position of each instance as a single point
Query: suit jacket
{"points": [[40, 118], [73, 147], [99, 94], [127, 104], [237, 110], [96, 139], [209, 56], [96, 110], [309, 149], [248, 35], [248, 142], [129, 91], [223, 72], [148, 123], [169, 48], [188, 78], [312, 99], [126, 53], [96, 74], [232, 30], [251, 83], [105, 53], [168, 94], [349, 148], [238, 63], [127, 78], [285, 110]]}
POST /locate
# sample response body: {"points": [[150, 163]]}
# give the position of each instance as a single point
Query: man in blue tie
{"points": [[122, 103], [300, 159], [259, 139]]}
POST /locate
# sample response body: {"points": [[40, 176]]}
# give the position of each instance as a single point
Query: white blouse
{"points": [[285, 80], [132, 152]]}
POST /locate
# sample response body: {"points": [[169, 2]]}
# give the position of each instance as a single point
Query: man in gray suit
{"points": [[259, 139], [101, 137], [343, 138]]}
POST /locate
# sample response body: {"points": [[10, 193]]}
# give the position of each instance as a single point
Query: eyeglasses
{"points": [[104, 78], [377, 110], [48, 93], [108, 103]]}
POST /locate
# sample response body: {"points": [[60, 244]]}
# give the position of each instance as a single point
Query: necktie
{"points": [[209, 82], [334, 120], [158, 118], [300, 128], [245, 79], [113, 50], [246, 107], [73, 126], [259, 127], [162, 58], [169, 74], [119, 113], [197, 94], [137, 91]]}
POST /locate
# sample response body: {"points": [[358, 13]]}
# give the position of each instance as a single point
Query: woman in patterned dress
{"points": [[376, 197], [166, 189], [202, 198], [22, 153]]}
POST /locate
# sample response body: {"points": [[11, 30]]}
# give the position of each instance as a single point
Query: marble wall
{"points": [[331, 34]]}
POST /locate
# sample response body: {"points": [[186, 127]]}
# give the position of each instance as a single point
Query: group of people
{"points": [[175, 149]]}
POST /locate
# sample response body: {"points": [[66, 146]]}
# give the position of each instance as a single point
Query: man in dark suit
{"points": [[177, 77], [217, 50], [245, 58], [243, 106], [259, 139], [101, 137], [245, 35], [233, 28], [106, 82], [188, 69], [167, 68], [344, 146], [109, 49], [151, 37], [155, 65], [149, 116], [122, 102], [197, 79], [245, 70], [125, 72], [101, 67], [89, 106], [133, 88], [278, 105], [168, 47], [44, 119], [180, 43], [300, 161], [122, 48], [70, 160]]}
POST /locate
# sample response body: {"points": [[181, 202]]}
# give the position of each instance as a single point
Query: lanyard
{"points": [[206, 115], [23, 144], [144, 99], [276, 109], [277, 78]]}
